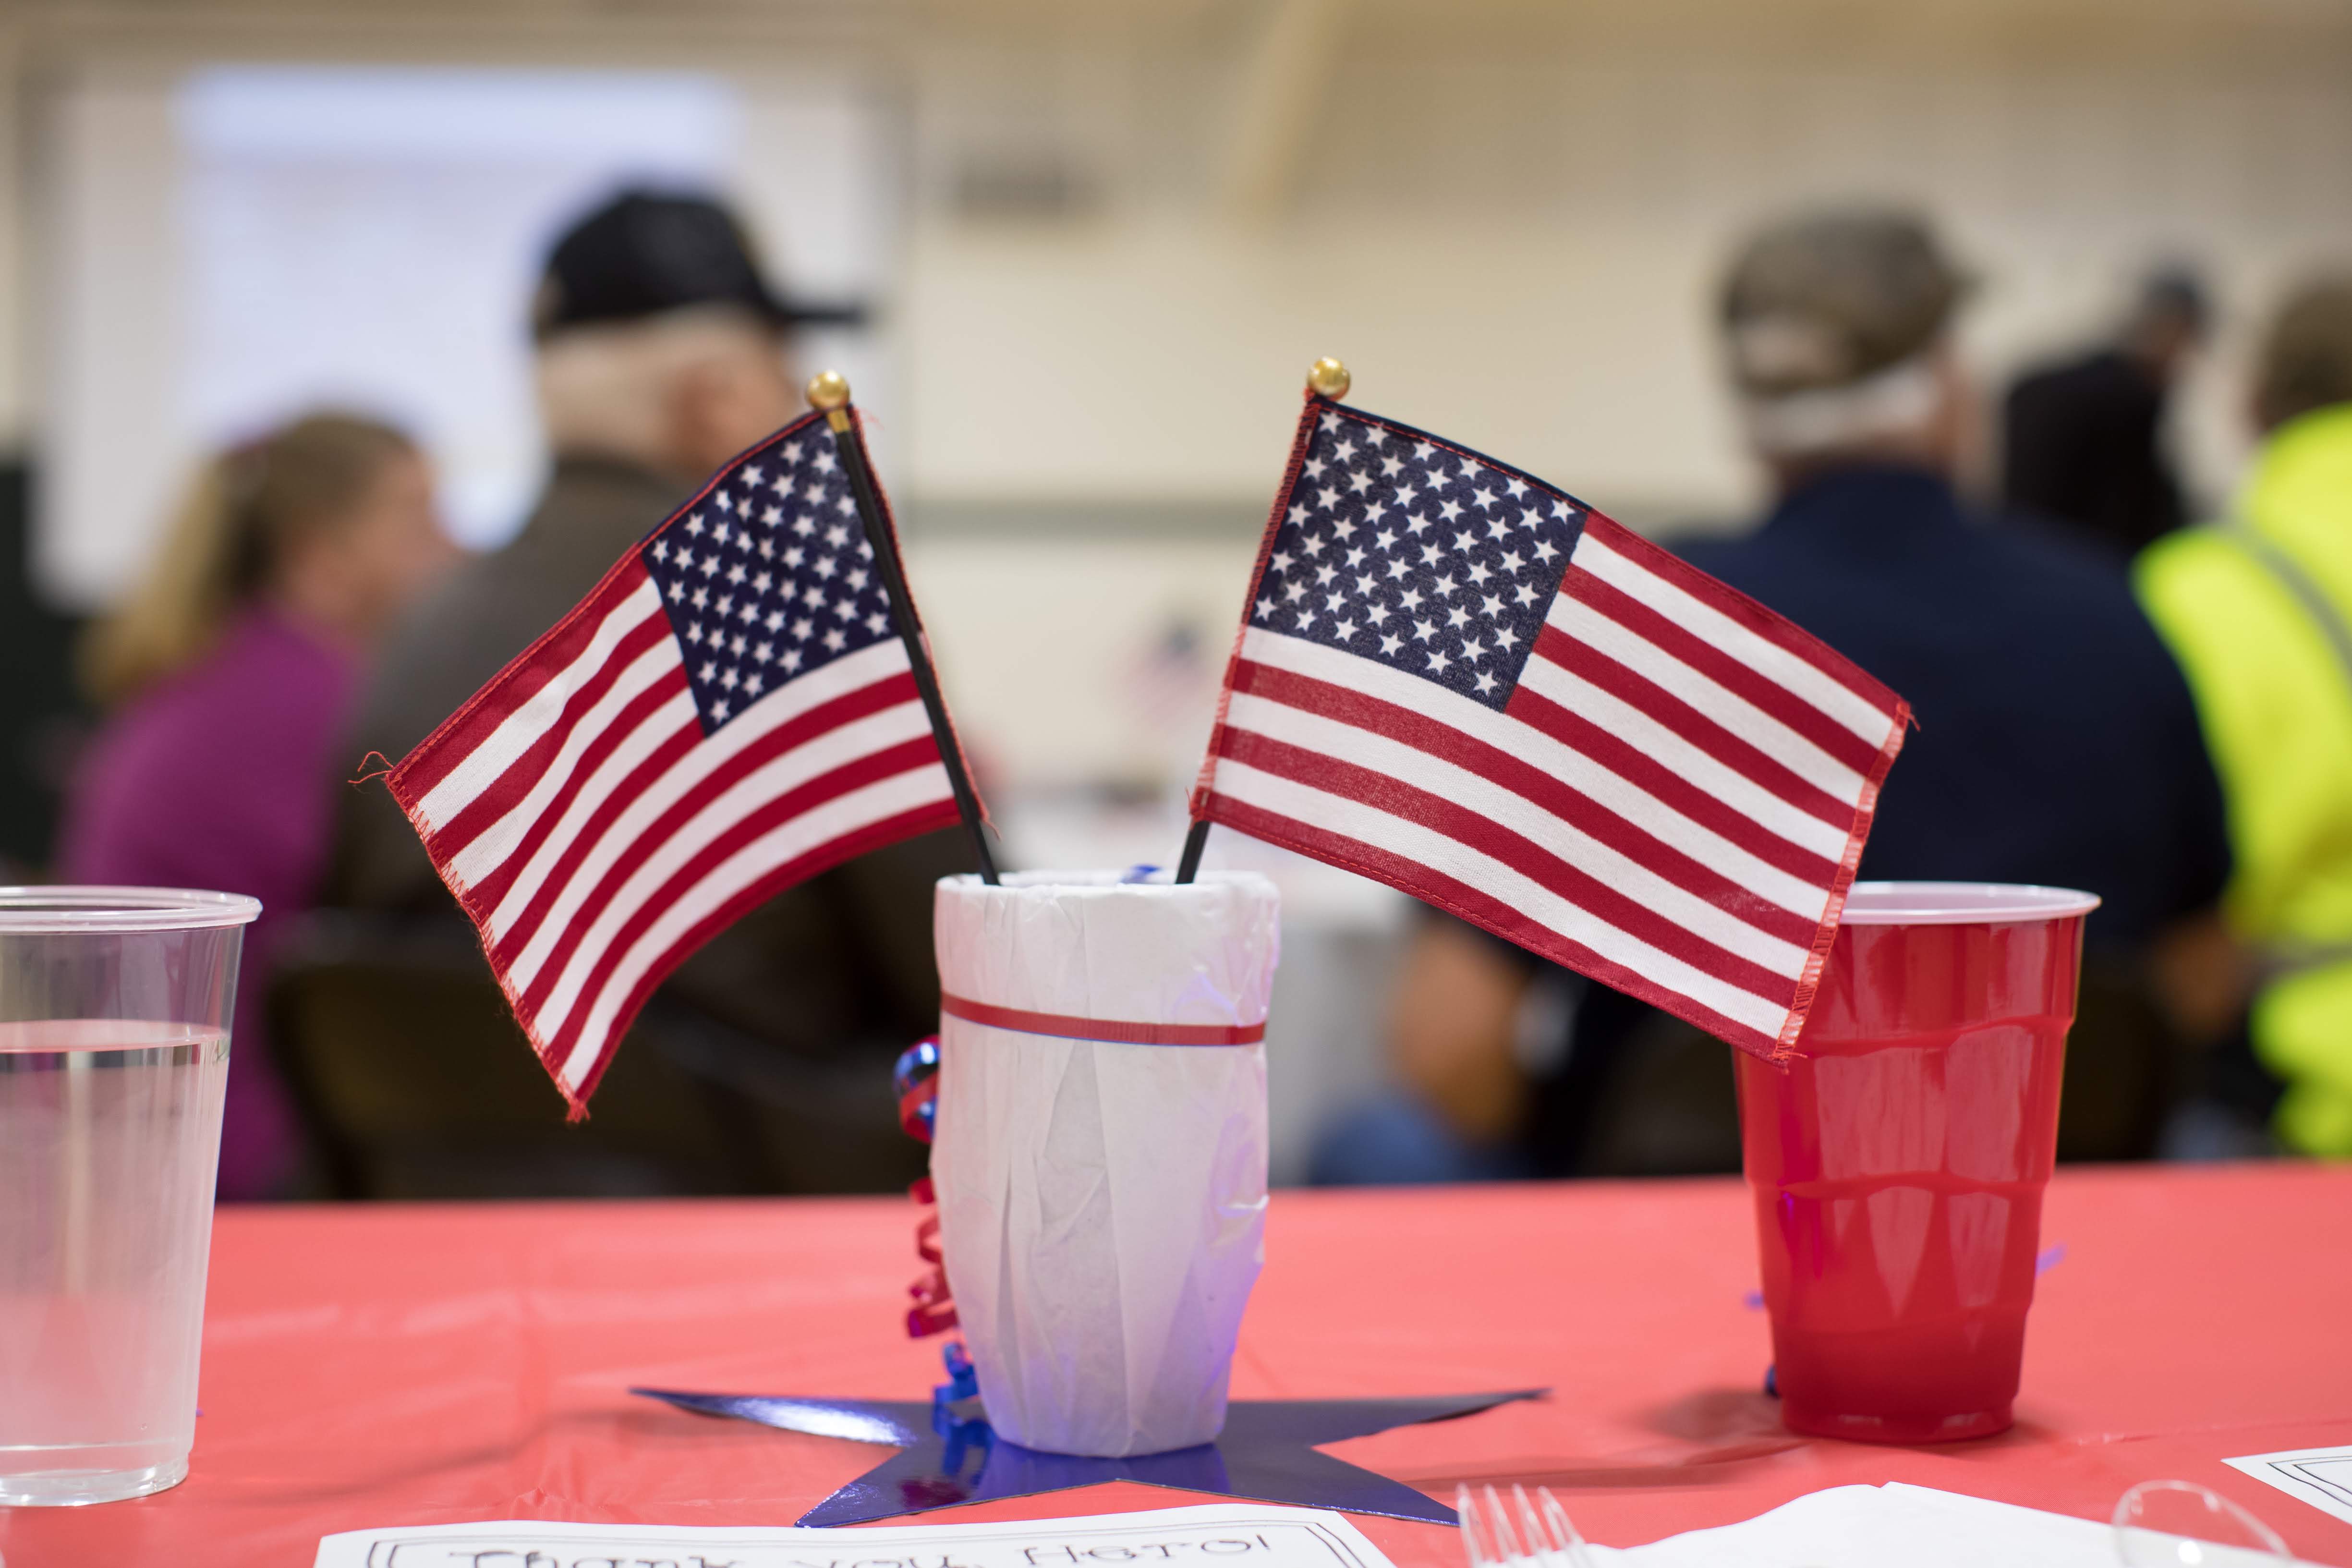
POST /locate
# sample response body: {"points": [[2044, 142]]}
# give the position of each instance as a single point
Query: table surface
{"points": [[368, 1366]]}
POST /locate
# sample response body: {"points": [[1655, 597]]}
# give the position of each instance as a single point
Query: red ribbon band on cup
{"points": [[1113, 1029]]}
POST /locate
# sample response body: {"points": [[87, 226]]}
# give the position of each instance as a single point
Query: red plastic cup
{"points": [[1898, 1162]]}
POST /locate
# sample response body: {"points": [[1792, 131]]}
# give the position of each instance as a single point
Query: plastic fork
{"points": [[1489, 1538]]}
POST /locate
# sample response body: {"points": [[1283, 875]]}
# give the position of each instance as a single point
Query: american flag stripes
{"points": [[728, 712], [1461, 681]]}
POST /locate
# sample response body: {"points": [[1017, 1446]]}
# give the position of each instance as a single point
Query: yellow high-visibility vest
{"points": [[2256, 613]]}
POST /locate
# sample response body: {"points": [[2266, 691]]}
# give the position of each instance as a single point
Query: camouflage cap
{"points": [[1827, 298], [2306, 359]]}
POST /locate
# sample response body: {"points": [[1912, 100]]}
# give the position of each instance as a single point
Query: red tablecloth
{"points": [[402, 1365]]}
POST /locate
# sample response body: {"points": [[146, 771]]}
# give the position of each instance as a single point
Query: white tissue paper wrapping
{"points": [[1102, 1206]]}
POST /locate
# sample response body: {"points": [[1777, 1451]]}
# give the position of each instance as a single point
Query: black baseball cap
{"points": [[644, 252]]}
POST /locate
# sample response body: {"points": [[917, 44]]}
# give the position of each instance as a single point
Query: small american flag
{"points": [[730, 713], [1461, 681]]}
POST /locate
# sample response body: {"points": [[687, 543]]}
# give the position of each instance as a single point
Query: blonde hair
{"points": [[240, 515]]}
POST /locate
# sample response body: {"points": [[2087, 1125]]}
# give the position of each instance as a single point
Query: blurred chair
{"points": [[2123, 1068], [415, 1083], [1669, 1105]]}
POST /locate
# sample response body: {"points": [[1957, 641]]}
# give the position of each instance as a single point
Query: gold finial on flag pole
{"points": [[1325, 377], [828, 394]]}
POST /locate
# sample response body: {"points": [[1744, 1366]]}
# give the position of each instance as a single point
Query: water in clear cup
{"points": [[110, 1134]]}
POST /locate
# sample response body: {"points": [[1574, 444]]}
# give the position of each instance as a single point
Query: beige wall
{"points": [[1515, 240], [15, 350], [1125, 228], [1045, 648], [1505, 215]]}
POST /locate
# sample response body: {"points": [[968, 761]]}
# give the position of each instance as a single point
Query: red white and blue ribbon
{"points": [[917, 1080]]}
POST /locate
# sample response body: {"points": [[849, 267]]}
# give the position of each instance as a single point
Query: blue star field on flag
{"points": [[1433, 561], [769, 576]]}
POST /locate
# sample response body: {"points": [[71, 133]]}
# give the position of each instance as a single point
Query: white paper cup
{"points": [[1100, 1152]]}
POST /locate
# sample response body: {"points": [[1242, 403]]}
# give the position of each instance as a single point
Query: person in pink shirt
{"points": [[229, 675]]}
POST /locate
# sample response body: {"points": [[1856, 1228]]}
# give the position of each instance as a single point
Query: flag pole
{"points": [[828, 392], [1327, 379], [1196, 839]]}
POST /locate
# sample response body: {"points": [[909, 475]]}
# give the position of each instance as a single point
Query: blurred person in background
{"points": [[662, 351], [229, 675], [2056, 743], [2258, 610], [2082, 441]]}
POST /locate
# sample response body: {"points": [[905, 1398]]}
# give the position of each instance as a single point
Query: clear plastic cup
{"points": [[2179, 1524], [114, 1024], [1897, 1163]]}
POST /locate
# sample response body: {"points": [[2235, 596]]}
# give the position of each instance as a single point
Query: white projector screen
{"points": [[235, 244]]}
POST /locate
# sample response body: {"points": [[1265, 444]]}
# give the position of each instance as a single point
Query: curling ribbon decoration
{"points": [[917, 1080]]}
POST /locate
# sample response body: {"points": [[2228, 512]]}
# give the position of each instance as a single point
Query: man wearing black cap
{"points": [[661, 353]]}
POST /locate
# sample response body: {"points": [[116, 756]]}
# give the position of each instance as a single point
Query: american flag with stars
{"points": [[1457, 679], [730, 711]]}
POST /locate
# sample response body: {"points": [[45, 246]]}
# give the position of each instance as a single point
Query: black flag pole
{"points": [[828, 392], [1327, 379], [1196, 839]]}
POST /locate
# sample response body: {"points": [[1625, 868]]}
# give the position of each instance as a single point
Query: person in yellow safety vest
{"points": [[2258, 610]]}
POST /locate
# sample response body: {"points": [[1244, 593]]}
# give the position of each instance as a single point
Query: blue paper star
{"points": [[1266, 1453]]}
